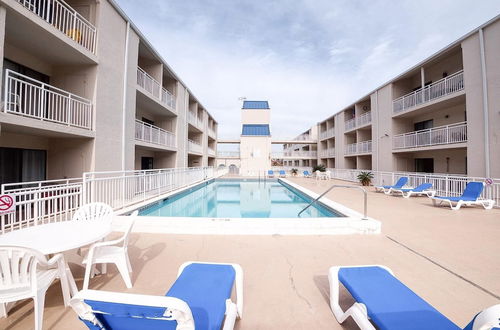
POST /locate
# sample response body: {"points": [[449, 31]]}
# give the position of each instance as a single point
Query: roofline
{"points": [[143, 38], [419, 64]]}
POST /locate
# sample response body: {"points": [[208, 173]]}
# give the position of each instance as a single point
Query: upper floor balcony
{"points": [[364, 147], [327, 153], [449, 134], [228, 154], [327, 134], [211, 132], [295, 154], [362, 120], [443, 87], [194, 120], [31, 98], [154, 88], [194, 147], [152, 134], [63, 17], [211, 151]]}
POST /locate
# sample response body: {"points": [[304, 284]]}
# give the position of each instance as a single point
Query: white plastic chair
{"points": [[93, 211], [115, 251], [26, 273]]}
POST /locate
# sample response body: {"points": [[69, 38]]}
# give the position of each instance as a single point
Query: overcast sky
{"points": [[308, 58]]}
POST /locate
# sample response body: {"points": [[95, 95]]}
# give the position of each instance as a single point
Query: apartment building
{"points": [[440, 116], [83, 90], [298, 154]]}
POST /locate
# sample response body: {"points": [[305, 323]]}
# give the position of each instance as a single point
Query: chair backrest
{"points": [[94, 211], [423, 186], [473, 190], [18, 267], [282, 172], [127, 232], [306, 173], [401, 182], [270, 172]]}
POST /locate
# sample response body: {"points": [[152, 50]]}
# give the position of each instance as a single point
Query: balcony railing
{"points": [[194, 147], [364, 147], [295, 154], [440, 88], [64, 18], [327, 134], [327, 153], [228, 154], [303, 137], [194, 120], [152, 134], [211, 132], [31, 98], [153, 87], [211, 151], [359, 121], [454, 133]]}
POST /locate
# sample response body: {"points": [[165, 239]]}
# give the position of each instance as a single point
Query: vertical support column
{"points": [[2, 40], [485, 104]]}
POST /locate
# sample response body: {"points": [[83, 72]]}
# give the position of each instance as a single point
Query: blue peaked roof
{"points": [[255, 130], [255, 105]]}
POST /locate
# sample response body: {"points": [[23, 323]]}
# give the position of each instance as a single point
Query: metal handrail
{"points": [[365, 214]]}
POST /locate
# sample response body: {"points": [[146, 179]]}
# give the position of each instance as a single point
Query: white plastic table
{"points": [[58, 237]]}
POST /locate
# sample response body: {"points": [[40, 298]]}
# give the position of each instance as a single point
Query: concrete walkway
{"points": [[448, 257]]}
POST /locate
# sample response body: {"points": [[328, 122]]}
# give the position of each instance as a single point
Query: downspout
{"points": [[124, 101], [377, 130], [485, 105]]}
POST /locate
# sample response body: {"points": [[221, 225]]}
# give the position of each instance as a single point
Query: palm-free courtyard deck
{"points": [[450, 258]]}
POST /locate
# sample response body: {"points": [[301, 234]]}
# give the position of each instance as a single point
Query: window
{"points": [[22, 165], [425, 165], [426, 124], [147, 163]]}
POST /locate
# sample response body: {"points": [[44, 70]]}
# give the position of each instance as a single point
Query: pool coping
{"points": [[352, 223]]}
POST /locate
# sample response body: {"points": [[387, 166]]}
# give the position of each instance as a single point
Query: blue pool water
{"points": [[239, 199]]}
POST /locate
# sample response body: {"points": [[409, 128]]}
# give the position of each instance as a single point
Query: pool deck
{"points": [[450, 258]]}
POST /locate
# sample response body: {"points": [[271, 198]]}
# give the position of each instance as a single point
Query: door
{"points": [[146, 163], [22, 165], [425, 165]]}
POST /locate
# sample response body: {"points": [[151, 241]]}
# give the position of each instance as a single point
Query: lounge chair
{"points": [[307, 174], [282, 174], [423, 189], [470, 196], [200, 298], [383, 302], [270, 174], [399, 184]]}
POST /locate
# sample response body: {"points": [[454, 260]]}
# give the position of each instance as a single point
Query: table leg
{"points": [[71, 281]]}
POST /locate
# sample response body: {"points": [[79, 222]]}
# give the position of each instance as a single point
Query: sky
{"points": [[308, 58]]}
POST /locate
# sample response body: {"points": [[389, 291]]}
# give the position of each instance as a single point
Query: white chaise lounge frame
{"points": [[176, 309], [408, 194], [486, 203]]}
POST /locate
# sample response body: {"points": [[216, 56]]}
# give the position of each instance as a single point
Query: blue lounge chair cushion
{"points": [[471, 193], [420, 188], [306, 173], [270, 172], [282, 172], [205, 288], [399, 184], [458, 199], [391, 304]]}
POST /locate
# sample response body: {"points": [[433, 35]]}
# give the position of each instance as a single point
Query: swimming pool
{"points": [[239, 199]]}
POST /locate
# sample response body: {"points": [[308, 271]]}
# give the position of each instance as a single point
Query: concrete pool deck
{"points": [[450, 258]]}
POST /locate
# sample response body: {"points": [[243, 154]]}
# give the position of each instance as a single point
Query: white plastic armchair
{"points": [[26, 273], [115, 251], [94, 211]]}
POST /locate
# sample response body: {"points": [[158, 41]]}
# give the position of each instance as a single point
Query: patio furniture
{"points": [[270, 174], [115, 251], [402, 181], [282, 174], [93, 211], [470, 196], [26, 273], [321, 175], [384, 302], [307, 174], [200, 298], [423, 189]]}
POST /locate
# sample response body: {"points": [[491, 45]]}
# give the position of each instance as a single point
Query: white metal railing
{"points": [[454, 133], [211, 151], [327, 134], [153, 87], [327, 153], [359, 148], [211, 132], [228, 154], [446, 86], [295, 154], [41, 202], [150, 133], [194, 147], [444, 184], [56, 200], [64, 18], [28, 97], [361, 120], [195, 120]]}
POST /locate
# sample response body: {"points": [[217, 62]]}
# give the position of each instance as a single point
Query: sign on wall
{"points": [[7, 204]]}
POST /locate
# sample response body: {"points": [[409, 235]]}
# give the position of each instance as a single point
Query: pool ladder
{"points": [[365, 215]]}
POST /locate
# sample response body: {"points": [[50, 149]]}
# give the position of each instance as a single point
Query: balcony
{"points": [[454, 133], [194, 147], [327, 134], [149, 133], [31, 98], [211, 151], [195, 121], [228, 154], [364, 147], [64, 18], [211, 132], [303, 137], [327, 153], [154, 88], [295, 154], [446, 86], [359, 121]]}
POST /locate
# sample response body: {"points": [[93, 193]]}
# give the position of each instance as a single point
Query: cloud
{"points": [[309, 58]]}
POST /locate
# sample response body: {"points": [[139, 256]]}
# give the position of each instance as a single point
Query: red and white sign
{"points": [[489, 181], [7, 204]]}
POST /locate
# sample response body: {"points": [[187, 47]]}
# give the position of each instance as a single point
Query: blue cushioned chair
{"points": [[282, 174], [423, 189], [199, 299], [307, 174], [470, 196], [270, 174], [399, 184], [385, 303]]}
